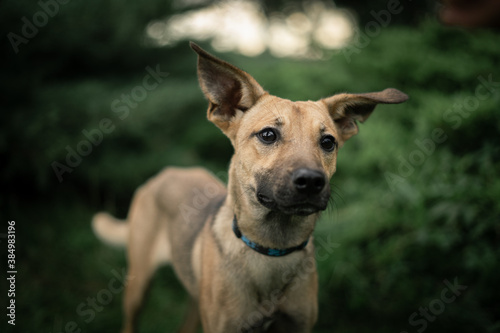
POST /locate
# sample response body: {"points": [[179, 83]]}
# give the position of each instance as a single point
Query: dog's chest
{"points": [[269, 277]]}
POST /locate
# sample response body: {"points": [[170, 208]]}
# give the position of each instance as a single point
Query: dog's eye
{"points": [[328, 142], [268, 135]]}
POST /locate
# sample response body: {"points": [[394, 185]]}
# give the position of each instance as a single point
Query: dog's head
{"points": [[285, 152]]}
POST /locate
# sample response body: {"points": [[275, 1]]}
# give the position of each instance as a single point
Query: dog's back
{"points": [[166, 215], [186, 199]]}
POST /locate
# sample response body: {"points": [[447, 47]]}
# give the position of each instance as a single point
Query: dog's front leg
{"points": [[221, 293], [211, 294]]}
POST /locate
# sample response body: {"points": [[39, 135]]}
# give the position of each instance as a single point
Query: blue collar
{"points": [[265, 250]]}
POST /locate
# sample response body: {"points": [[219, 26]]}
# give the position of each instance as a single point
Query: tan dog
{"points": [[240, 252]]}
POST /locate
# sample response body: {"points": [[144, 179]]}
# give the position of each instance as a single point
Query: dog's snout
{"points": [[308, 181]]}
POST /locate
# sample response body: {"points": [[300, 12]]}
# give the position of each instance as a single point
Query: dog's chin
{"points": [[300, 209]]}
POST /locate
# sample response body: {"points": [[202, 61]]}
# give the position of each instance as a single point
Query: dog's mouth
{"points": [[303, 208]]}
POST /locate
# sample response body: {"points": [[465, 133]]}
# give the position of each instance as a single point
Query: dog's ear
{"points": [[346, 109], [228, 89]]}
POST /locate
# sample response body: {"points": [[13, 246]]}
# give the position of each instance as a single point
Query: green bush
{"points": [[402, 228]]}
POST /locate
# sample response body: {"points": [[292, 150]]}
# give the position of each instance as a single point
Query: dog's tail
{"points": [[110, 229]]}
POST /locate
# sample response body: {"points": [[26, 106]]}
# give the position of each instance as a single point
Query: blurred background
{"points": [[98, 96]]}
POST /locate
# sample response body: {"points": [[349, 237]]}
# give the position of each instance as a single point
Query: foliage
{"points": [[403, 227]]}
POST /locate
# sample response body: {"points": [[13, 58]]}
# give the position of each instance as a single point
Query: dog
{"points": [[240, 252]]}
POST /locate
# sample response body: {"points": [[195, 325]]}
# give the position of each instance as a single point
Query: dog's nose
{"points": [[308, 181]]}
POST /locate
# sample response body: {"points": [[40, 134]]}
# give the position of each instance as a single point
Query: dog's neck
{"points": [[268, 228], [272, 252]]}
